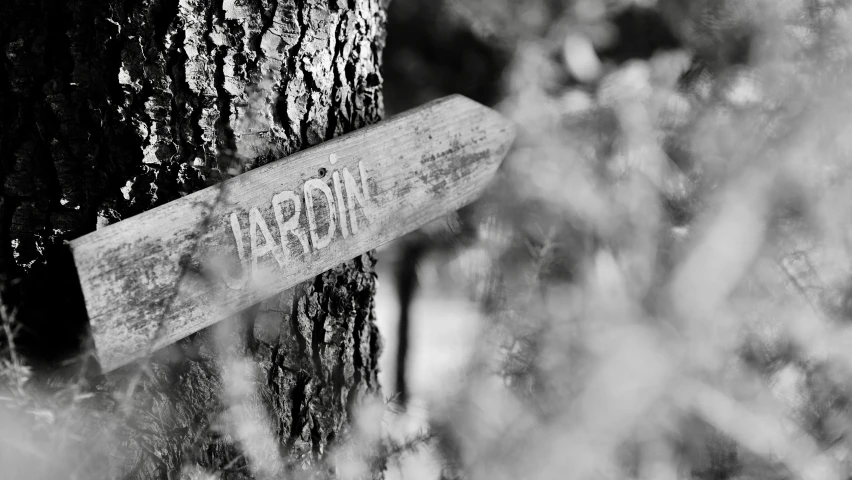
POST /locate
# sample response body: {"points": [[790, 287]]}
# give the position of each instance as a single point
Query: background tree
{"points": [[112, 107]]}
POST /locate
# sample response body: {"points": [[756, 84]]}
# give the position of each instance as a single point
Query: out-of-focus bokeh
{"points": [[658, 286]]}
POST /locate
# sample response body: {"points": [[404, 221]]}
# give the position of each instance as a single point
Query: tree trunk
{"points": [[113, 107]]}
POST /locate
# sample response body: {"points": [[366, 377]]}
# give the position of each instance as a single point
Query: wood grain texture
{"points": [[171, 271]]}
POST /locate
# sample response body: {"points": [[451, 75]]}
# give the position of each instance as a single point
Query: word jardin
{"points": [[283, 223], [290, 225]]}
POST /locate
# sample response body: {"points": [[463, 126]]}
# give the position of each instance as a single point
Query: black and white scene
{"points": [[426, 239]]}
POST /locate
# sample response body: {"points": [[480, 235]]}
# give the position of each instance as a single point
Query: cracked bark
{"points": [[110, 108]]}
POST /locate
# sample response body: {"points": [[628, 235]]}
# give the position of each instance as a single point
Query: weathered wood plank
{"points": [[157, 277]]}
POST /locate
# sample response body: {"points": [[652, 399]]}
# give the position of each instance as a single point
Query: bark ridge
{"points": [[110, 108]]}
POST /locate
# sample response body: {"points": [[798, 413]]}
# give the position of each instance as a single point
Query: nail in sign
{"points": [[334, 208], [157, 277]]}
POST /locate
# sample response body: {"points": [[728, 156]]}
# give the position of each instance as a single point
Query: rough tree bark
{"points": [[112, 107]]}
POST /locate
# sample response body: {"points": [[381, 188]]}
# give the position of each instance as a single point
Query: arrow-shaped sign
{"points": [[159, 276]]}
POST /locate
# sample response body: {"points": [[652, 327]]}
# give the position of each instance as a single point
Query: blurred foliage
{"points": [[666, 259]]}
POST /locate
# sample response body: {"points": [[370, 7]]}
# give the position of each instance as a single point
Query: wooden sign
{"points": [[159, 276]]}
